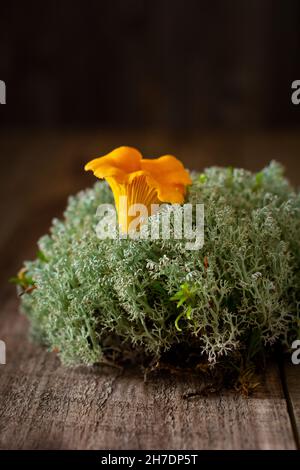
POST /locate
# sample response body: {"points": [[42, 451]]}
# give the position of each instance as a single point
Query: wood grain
{"points": [[292, 386], [46, 406]]}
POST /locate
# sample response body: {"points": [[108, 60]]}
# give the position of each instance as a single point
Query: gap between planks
{"points": [[290, 374]]}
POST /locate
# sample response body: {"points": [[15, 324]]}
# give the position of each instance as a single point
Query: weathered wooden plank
{"points": [[46, 406], [292, 384]]}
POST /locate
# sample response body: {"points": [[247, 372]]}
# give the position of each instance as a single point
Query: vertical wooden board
{"points": [[292, 383]]}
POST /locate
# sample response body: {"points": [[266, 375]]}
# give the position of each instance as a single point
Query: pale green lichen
{"points": [[239, 294]]}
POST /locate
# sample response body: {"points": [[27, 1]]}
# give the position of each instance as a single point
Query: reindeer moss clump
{"points": [[229, 302]]}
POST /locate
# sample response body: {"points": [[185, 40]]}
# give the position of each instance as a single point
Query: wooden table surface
{"points": [[46, 406]]}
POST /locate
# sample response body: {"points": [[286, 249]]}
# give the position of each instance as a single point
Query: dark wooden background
{"points": [[172, 64]]}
